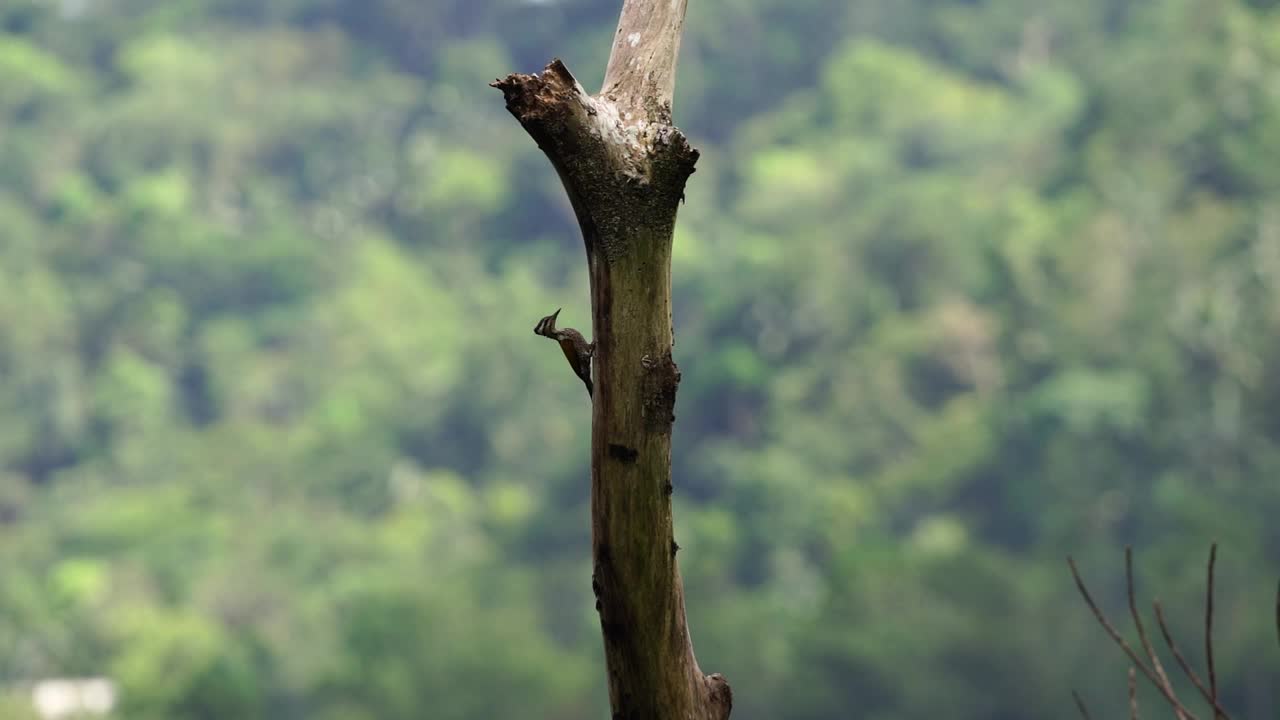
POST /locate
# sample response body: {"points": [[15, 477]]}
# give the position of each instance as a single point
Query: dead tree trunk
{"points": [[624, 167]]}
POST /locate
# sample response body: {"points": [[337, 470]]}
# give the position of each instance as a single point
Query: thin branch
{"points": [[1133, 694], [1179, 709], [1186, 667], [1278, 611], [1165, 686], [1084, 711], [1106, 624], [1208, 633]]}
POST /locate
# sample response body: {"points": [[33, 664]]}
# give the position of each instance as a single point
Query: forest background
{"points": [[961, 287]]}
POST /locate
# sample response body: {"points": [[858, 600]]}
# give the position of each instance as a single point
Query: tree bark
{"points": [[624, 167]]}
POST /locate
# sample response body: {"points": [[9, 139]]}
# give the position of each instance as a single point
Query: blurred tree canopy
{"points": [[962, 287]]}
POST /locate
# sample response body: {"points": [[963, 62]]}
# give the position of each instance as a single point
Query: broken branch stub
{"points": [[623, 169]]}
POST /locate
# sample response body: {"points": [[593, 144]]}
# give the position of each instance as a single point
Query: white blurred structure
{"points": [[58, 698]]}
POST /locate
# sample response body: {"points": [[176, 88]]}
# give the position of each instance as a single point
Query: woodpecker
{"points": [[575, 347]]}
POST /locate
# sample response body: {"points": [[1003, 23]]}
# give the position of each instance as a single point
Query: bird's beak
{"points": [[546, 324]]}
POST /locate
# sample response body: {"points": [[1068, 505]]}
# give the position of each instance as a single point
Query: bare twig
{"points": [[1208, 633], [1179, 709], [1084, 711], [1133, 694], [1106, 624], [1165, 686], [1186, 667]]}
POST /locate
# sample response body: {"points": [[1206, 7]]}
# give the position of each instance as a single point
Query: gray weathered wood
{"points": [[641, 76]]}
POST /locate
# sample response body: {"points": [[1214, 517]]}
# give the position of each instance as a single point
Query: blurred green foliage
{"points": [[961, 287]]}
